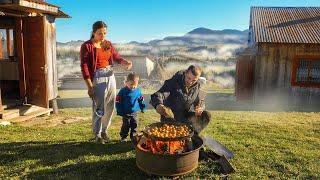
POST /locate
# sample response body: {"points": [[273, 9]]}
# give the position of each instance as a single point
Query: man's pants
{"points": [[129, 122], [104, 87]]}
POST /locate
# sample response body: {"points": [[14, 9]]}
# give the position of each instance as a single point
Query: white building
{"points": [[142, 65]]}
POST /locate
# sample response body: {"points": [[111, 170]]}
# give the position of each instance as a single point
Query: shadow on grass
{"points": [[119, 169], [113, 169], [48, 158], [53, 153]]}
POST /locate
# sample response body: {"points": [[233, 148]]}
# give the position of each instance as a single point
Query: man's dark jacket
{"points": [[175, 95]]}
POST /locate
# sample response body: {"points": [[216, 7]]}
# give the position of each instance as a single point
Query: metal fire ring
{"points": [[169, 164]]}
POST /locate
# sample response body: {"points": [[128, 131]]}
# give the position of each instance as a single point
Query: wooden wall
{"points": [[273, 68], [9, 70]]}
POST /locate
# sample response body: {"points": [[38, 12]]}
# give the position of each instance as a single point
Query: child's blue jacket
{"points": [[129, 101]]}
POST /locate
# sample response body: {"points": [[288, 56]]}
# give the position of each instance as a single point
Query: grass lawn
{"points": [[266, 145]]}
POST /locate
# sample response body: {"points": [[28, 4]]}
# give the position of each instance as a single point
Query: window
{"points": [[306, 71], [6, 44]]}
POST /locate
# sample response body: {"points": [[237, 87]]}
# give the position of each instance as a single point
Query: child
{"points": [[128, 102]]}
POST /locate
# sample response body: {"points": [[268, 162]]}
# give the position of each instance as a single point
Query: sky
{"points": [[145, 20]]}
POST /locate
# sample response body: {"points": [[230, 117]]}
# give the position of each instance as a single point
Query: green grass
{"points": [[266, 145]]}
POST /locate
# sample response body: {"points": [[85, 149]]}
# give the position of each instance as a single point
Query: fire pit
{"points": [[168, 149]]}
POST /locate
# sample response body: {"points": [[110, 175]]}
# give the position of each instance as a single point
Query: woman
{"points": [[97, 55]]}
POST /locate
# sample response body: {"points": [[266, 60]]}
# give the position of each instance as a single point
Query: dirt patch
{"points": [[52, 121]]}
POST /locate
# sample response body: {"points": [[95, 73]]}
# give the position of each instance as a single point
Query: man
{"points": [[183, 96]]}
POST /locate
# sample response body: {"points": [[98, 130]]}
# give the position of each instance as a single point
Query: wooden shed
{"points": [[282, 62], [28, 72]]}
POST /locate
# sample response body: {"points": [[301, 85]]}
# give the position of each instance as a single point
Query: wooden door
{"points": [[245, 78], [35, 61]]}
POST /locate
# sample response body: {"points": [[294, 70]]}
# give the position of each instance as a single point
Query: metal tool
{"points": [[217, 147]]}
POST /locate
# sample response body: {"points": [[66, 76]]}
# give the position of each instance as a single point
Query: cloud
{"points": [[161, 37], [219, 38]]}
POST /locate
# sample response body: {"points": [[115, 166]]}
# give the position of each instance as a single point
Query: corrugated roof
{"points": [[285, 24]]}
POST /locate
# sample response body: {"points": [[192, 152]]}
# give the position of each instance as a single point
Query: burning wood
{"points": [[165, 147]]}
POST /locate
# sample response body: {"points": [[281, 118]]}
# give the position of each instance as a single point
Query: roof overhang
{"points": [[32, 7]]}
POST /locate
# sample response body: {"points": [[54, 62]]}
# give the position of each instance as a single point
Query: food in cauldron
{"points": [[169, 131]]}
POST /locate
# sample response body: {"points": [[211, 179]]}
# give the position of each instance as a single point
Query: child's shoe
{"points": [[123, 139], [105, 137], [99, 140]]}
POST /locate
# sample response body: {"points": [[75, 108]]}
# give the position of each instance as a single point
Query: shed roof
{"points": [[31, 6], [285, 24]]}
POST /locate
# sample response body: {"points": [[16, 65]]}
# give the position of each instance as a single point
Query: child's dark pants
{"points": [[129, 122]]}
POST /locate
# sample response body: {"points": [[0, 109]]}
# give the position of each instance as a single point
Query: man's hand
{"points": [[165, 111], [160, 109], [198, 110]]}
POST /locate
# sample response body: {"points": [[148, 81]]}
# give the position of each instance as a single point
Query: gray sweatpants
{"points": [[104, 87]]}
